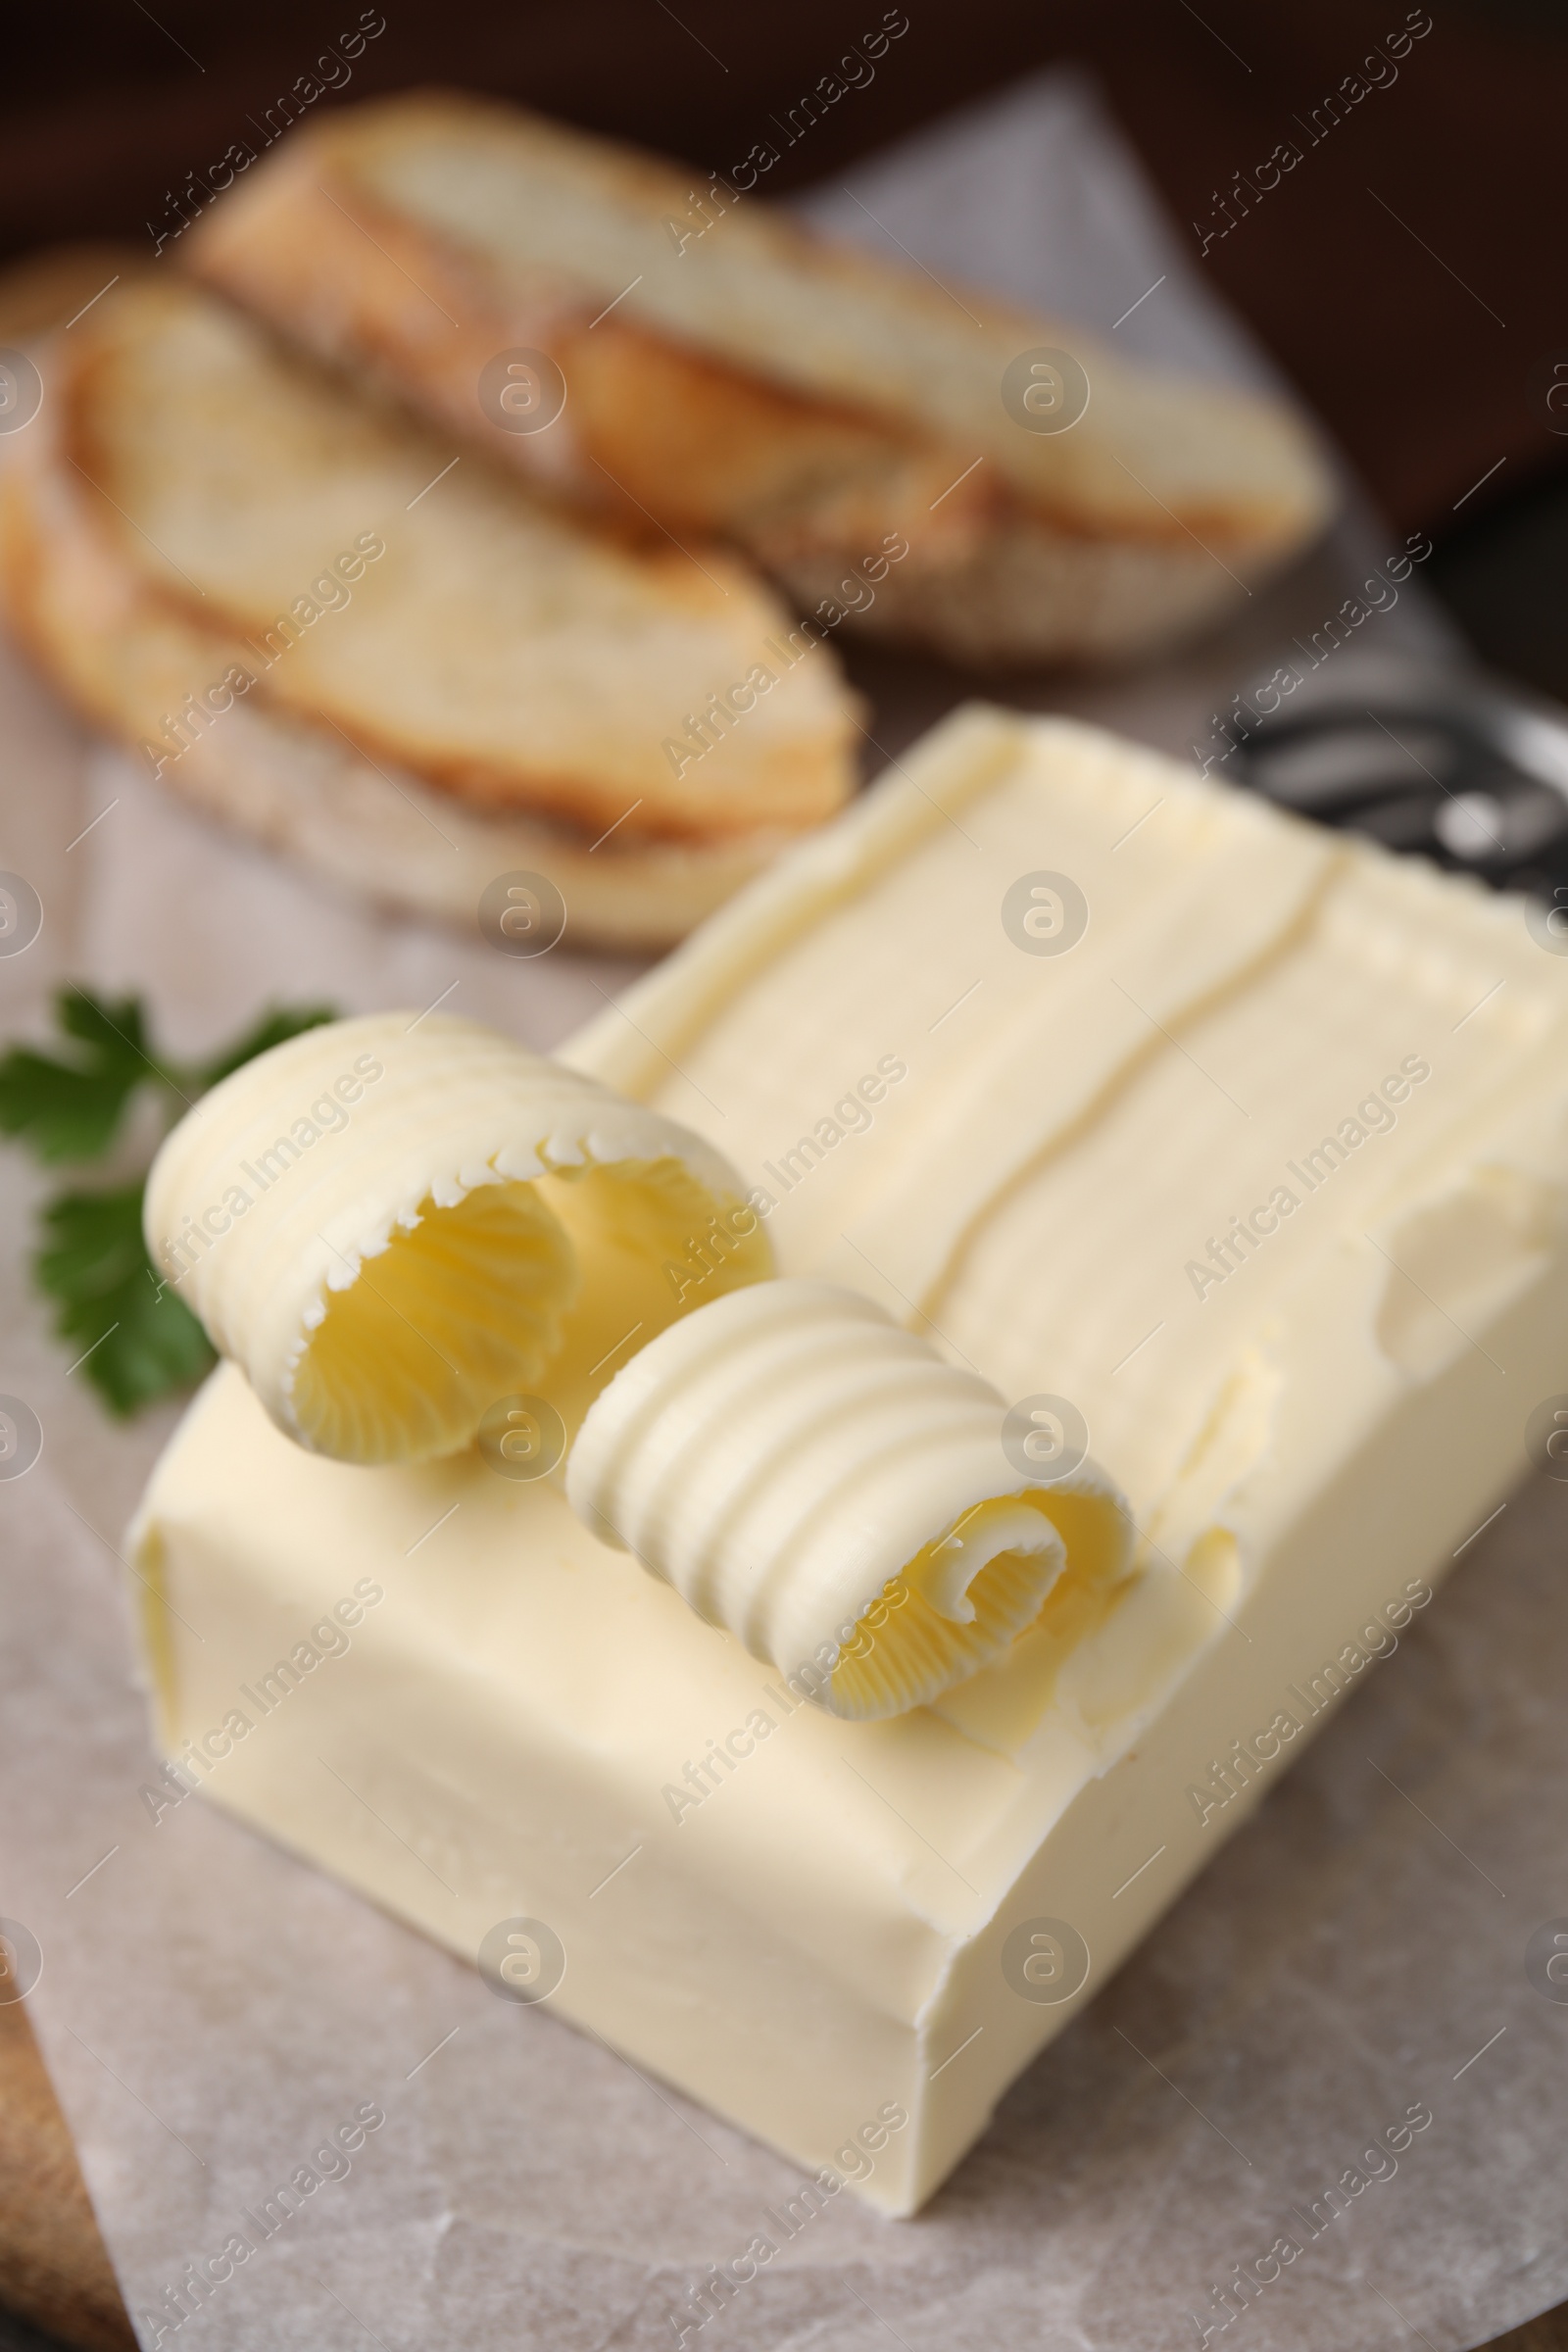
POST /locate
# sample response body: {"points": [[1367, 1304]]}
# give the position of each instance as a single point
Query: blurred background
{"points": [[1405, 283]]}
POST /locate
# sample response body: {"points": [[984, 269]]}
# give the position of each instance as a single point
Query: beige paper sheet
{"points": [[210, 2008]]}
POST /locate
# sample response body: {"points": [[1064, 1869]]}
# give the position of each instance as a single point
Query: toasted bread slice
{"points": [[748, 379], [132, 659], [434, 610], [58, 283]]}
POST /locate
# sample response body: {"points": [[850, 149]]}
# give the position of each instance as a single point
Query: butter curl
{"points": [[393, 1222], [821, 1484]]}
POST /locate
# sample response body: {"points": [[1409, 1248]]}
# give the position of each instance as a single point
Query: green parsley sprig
{"points": [[134, 1336]]}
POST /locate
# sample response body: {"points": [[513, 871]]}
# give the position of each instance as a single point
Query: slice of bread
{"points": [[131, 661], [282, 592], [434, 610], [60, 283], [726, 372]]}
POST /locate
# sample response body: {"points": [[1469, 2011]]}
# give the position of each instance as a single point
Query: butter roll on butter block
{"points": [[806, 1474], [395, 1224], [1232, 1150], [824, 1486]]}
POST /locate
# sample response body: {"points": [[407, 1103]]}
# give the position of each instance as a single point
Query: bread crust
{"points": [[214, 450], [127, 656], [1031, 550]]}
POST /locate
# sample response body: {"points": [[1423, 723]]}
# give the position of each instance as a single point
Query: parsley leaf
{"points": [[71, 1109], [133, 1335], [93, 1264]]}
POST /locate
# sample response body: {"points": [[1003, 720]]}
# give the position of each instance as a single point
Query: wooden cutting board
{"points": [[54, 2269]]}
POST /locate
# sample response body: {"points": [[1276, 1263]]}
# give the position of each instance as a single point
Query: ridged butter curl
{"points": [[821, 1484], [393, 1222]]}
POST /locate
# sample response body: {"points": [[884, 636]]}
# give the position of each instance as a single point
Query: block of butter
{"points": [[1229, 1151]]}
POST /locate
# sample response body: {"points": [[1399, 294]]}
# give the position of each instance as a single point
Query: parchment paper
{"points": [[210, 2008]]}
